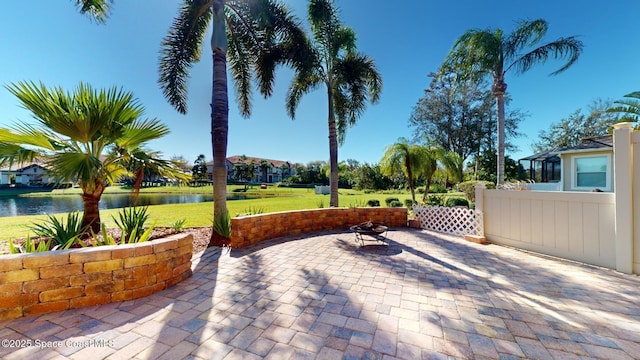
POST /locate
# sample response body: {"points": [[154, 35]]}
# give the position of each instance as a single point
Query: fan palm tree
{"points": [[256, 34], [478, 53], [90, 137], [405, 157], [351, 79]]}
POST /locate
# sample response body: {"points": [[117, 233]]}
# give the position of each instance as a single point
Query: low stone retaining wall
{"points": [[249, 230], [39, 283]]}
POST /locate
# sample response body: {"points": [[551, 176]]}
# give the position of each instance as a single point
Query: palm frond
{"points": [[569, 48], [25, 134], [324, 20], [73, 166], [85, 115], [630, 106], [241, 55], [343, 39], [527, 34], [300, 85], [15, 154], [262, 34], [140, 132], [357, 83], [181, 48], [96, 10], [395, 157], [475, 54]]}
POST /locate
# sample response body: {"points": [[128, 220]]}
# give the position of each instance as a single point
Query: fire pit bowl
{"points": [[374, 230]]}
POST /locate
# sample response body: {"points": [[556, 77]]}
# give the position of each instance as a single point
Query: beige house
{"points": [[28, 174], [587, 166], [266, 170]]}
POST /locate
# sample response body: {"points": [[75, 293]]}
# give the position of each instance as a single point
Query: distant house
{"points": [[27, 174], [587, 166], [266, 170]]}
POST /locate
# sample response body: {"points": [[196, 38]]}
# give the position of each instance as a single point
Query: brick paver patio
{"points": [[320, 296]]}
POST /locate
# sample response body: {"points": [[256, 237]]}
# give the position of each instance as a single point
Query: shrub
{"points": [[420, 190], [434, 200], [395, 203], [437, 189], [131, 223], [179, 224], [252, 210], [469, 188], [63, 233], [373, 202], [408, 203], [369, 191], [391, 199], [30, 246], [456, 201]]}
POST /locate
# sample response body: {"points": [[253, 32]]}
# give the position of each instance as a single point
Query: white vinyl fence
{"points": [[572, 225], [595, 228]]}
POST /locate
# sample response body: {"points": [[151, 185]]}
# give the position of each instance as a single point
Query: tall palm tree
{"points": [[351, 79], [478, 53], [256, 34], [405, 157], [90, 137]]}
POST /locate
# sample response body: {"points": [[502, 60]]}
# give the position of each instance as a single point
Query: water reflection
{"points": [[24, 205]]}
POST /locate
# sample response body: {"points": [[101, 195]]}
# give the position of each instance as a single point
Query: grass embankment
{"points": [[201, 214]]}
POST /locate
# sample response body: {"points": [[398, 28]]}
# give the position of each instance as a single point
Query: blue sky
{"points": [[49, 41]]}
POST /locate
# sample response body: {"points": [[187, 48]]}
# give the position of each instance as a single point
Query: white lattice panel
{"points": [[451, 220]]}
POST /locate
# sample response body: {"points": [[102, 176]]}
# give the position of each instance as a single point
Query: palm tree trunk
{"points": [[219, 112], [410, 179], [426, 189], [91, 217], [499, 89], [333, 152], [219, 133]]}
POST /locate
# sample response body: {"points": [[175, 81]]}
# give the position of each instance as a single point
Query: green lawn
{"points": [[201, 214]]}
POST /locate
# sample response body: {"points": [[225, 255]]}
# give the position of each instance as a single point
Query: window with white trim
{"points": [[591, 172]]}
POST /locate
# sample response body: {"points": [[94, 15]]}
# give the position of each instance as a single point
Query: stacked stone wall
{"points": [[252, 229], [51, 281]]}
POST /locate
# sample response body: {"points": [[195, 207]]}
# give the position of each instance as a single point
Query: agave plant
{"points": [[131, 222], [63, 233]]}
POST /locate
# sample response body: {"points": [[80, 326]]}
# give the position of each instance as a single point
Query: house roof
{"points": [[541, 156], [248, 159], [592, 143], [16, 167]]}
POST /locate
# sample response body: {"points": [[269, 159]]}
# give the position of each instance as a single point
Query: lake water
{"points": [[37, 205]]}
